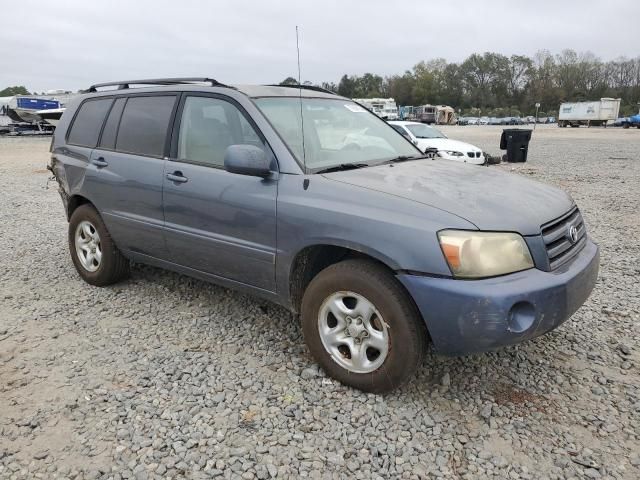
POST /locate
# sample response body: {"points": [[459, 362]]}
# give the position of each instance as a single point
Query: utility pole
{"points": [[537, 107]]}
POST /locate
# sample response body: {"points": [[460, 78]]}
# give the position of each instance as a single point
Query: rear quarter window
{"points": [[144, 125], [87, 123], [108, 139]]}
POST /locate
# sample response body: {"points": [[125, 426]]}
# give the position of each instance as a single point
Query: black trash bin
{"points": [[516, 142]]}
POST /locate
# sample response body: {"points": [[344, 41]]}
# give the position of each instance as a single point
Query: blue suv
{"points": [[309, 200]]}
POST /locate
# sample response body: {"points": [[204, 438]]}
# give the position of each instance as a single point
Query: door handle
{"points": [[177, 177], [100, 162]]}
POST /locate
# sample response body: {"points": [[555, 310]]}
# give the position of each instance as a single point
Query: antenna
{"points": [[304, 152]]}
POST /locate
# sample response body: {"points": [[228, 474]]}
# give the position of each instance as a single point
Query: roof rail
{"points": [[306, 87], [124, 84]]}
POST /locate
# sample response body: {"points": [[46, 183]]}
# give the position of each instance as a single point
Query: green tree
{"points": [[424, 88], [11, 91], [400, 88], [289, 81], [479, 72], [347, 87]]}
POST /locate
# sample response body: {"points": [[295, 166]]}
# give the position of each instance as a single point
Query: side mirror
{"points": [[247, 160]]}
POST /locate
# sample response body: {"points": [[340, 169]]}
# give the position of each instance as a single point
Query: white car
{"points": [[429, 139]]}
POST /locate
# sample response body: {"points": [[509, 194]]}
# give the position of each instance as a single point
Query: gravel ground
{"points": [[164, 376]]}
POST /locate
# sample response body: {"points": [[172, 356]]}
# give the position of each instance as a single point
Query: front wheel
{"points": [[362, 327]]}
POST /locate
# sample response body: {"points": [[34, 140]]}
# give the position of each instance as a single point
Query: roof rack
{"points": [[124, 84], [306, 87]]}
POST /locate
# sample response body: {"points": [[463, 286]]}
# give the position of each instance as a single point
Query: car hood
{"points": [[446, 144], [488, 198]]}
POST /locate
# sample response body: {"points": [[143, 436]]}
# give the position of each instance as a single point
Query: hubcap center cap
{"points": [[356, 327]]}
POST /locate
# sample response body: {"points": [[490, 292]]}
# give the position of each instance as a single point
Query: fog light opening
{"points": [[521, 317]]}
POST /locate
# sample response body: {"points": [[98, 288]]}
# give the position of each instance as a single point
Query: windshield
{"points": [[423, 131], [336, 132]]}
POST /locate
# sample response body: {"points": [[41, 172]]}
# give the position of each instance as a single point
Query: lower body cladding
{"points": [[469, 316]]}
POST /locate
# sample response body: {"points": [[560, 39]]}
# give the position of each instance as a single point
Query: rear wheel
{"points": [[95, 256], [362, 327]]}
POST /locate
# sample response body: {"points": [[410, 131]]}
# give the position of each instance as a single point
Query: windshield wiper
{"points": [[404, 158], [342, 166]]}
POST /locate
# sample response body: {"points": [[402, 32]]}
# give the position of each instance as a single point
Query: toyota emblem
{"points": [[573, 234]]}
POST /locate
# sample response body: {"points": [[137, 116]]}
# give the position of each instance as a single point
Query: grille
{"points": [[555, 235], [471, 154], [474, 154], [478, 154]]}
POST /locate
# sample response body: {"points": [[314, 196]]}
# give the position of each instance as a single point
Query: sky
{"points": [[72, 44]]}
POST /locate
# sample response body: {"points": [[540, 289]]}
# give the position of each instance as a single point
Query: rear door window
{"points": [[144, 125], [110, 131], [88, 122]]}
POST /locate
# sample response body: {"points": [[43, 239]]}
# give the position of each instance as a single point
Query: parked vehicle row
{"points": [[307, 199], [503, 120]]}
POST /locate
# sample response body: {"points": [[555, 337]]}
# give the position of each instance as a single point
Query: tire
{"points": [[493, 160], [395, 322], [112, 265]]}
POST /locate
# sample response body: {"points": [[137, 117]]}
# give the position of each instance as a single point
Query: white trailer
{"points": [[385, 108], [574, 114]]}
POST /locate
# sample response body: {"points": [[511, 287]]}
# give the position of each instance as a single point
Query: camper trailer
{"points": [[446, 115], [425, 114], [385, 108]]}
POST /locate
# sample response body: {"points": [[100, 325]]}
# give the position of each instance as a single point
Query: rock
{"points": [[485, 412], [273, 470], [624, 349], [309, 373], [445, 381], [40, 455]]}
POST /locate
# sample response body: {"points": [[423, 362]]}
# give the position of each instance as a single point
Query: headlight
{"points": [[453, 153], [484, 254]]}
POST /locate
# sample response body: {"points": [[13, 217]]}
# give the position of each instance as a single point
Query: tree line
{"points": [[496, 85]]}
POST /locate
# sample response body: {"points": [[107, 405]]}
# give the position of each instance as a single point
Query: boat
{"points": [[51, 116], [25, 109]]}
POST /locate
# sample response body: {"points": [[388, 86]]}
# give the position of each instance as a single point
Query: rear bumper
{"points": [[468, 316]]}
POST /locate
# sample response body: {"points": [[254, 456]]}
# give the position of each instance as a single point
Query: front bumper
{"points": [[464, 159], [468, 316]]}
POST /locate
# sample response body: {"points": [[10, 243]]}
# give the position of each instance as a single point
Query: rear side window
{"points": [[144, 125], [110, 131], [88, 122]]}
